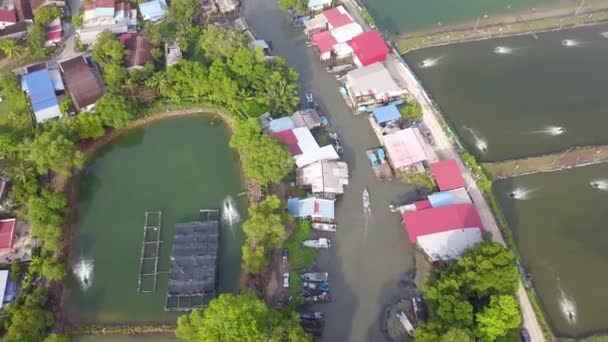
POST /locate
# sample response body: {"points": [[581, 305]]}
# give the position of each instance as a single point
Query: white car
{"points": [[285, 279]]}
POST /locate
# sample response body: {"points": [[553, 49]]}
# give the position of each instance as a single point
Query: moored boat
{"points": [[366, 202], [320, 243], [405, 322], [324, 227], [315, 276]]}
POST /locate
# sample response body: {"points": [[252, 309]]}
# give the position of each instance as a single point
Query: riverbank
{"points": [[504, 26], [68, 185]]}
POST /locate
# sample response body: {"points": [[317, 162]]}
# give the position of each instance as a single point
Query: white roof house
{"points": [[304, 147], [317, 5], [3, 282], [347, 32], [449, 244], [324, 176], [373, 80]]}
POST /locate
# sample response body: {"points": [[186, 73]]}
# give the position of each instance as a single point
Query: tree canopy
{"points": [[473, 294], [53, 150], [264, 231], [46, 14], [29, 321], [10, 48], [241, 317], [107, 50]]}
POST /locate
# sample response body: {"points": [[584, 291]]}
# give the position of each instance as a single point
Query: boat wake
{"points": [[521, 193], [604, 34], [430, 62], [481, 144], [83, 271], [551, 130], [601, 184], [567, 306], [503, 50], [230, 215], [570, 43]]}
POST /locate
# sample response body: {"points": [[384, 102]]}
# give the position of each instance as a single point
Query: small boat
{"points": [[405, 322], [305, 314], [320, 243], [322, 297], [324, 227], [366, 203], [336, 142], [310, 100], [319, 277], [315, 286], [339, 68], [324, 121]]}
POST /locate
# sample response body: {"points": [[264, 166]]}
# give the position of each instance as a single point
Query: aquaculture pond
{"points": [[520, 96], [559, 226], [177, 166]]}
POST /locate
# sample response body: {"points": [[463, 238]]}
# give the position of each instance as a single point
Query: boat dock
{"points": [[150, 252], [380, 165]]}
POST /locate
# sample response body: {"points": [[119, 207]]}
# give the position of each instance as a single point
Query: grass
{"points": [[255, 109], [368, 17], [300, 258]]}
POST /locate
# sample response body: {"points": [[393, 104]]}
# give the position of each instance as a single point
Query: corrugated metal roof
{"points": [[371, 79], [345, 33], [289, 138], [8, 16], [42, 95], [337, 17], [152, 10], [281, 124], [386, 114], [404, 148], [311, 207], [447, 175], [3, 281], [369, 47], [313, 4], [449, 244], [7, 233], [324, 41], [442, 219]]}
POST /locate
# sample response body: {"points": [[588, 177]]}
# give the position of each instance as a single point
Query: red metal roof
{"points": [[53, 36], [8, 16], [324, 41], [289, 138], [447, 174], [442, 219], [421, 205], [104, 3], [54, 28], [89, 7], [7, 233], [369, 47], [336, 18]]}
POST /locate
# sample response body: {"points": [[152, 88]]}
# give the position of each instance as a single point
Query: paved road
{"points": [[445, 150], [69, 32]]}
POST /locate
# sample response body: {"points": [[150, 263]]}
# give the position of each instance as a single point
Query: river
{"points": [[369, 256], [177, 166], [538, 96], [561, 234]]}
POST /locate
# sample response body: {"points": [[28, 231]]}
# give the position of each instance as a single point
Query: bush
{"points": [[300, 258]]}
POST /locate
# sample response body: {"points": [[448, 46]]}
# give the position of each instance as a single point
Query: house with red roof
{"points": [[7, 18], [52, 32], [447, 175], [328, 20], [368, 48], [334, 42], [7, 233], [445, 232]]}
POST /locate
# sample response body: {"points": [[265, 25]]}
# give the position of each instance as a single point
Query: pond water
{"points": [[400, 16], [521, 96], [177, 166], [560, 229]]}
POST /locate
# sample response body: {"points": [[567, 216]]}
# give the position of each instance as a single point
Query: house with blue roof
{"points": [[154, 10], [385, 120], [317, 209], [41, 90]]}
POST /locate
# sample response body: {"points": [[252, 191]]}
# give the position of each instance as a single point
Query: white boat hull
{"points": [[324, 227]]}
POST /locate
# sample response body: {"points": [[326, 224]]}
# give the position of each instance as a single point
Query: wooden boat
{"points": [[405, 322], [324, 227], [366, 202]]}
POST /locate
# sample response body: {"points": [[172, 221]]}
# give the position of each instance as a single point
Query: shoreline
{"points": [[67, 186], [502, 27]]}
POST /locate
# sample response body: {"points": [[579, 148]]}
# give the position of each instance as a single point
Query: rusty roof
{"points": [[81, 81]]}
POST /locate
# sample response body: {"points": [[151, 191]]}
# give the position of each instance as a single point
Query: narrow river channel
{"points": [[369, 257]]}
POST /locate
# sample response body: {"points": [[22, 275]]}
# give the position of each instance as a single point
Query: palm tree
{"points": [[11, 49], [282, 97], [23, 172]]}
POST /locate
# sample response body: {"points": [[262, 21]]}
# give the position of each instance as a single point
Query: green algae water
{"points": [[559, 226], [407, 16], [177, 166]]}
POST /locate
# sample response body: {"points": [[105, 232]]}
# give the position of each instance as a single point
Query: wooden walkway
{"points": [[570, 158], [150, 251]]}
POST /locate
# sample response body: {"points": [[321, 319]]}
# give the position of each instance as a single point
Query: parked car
{"points": [[525, 335], [284, 257], [286, 279]]}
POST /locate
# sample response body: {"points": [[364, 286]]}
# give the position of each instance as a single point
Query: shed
{"points": [[312, 207], [447, 175], [281, 124], [153, 10], [369, 48], [317, 5], [139, 51], [309, 118], [444, 232], [404, 149], [445, 198], [386, 114], [8, 17], [3, 283], [324, 176], [42, 95], [7, 233], [81, 82]]}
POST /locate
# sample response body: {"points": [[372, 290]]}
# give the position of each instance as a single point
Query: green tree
{"points": [[114, 75], [107, 50], [411, 111], [186, 81], [264, 229], [300, 5], [498, 318], [52, 269], [457, 335], [66, 105], [35, 41], [29, 322], [218, 42], [12, 95], [281, 96], [45, 214], [57, 338], [115, 110], [10, 48], [52, 149], [241, 317], [46, 14], [78, 19], [428, 331], [89, 126], [183, 12]]}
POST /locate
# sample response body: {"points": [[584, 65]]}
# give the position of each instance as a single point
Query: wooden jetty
{"points": [[150, 251]]}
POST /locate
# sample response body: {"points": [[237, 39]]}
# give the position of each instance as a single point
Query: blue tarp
{"points": [[152, 10], [386, 114], [311, 207], [281, 124]]}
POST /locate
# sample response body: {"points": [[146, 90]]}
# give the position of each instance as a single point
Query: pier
{"points": [[563, 160], [150, 252]]}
